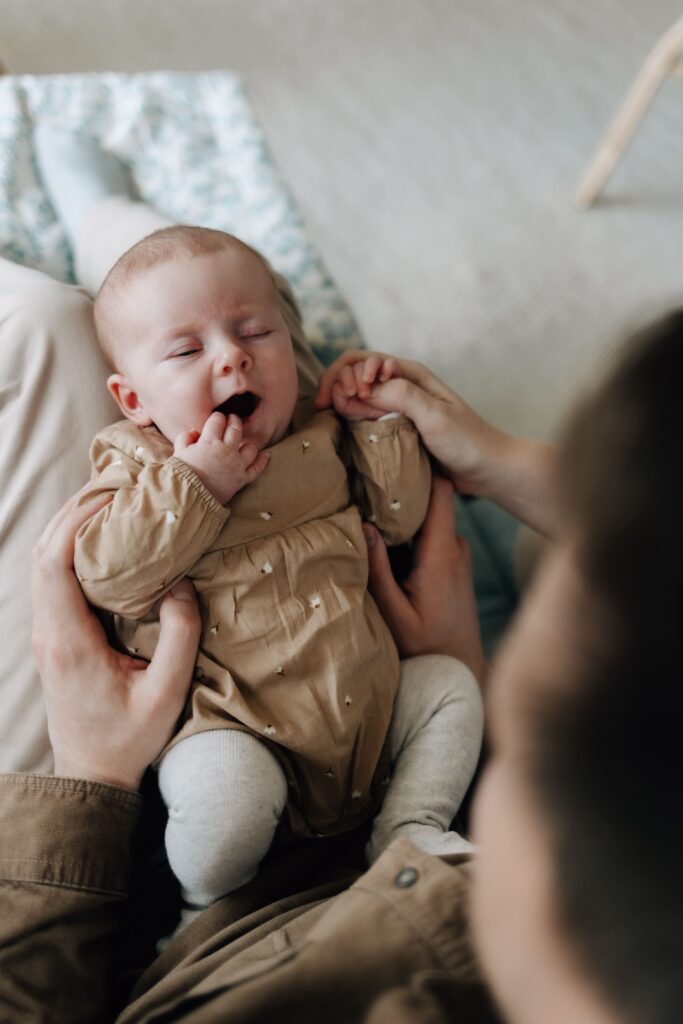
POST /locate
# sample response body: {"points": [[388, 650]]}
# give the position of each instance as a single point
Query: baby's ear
{"points": [[127, 400]]}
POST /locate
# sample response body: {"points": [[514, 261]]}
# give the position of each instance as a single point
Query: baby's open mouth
{"points": [[242, 405]]}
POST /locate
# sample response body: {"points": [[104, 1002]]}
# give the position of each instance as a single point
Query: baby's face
{"points": [[205, 333]]}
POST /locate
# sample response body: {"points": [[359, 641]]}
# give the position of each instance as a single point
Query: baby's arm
{"points": [[163, 516], [159, 522], [392, 468]]}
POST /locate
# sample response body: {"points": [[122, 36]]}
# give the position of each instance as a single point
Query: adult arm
{"points": [[434, 610], [65, 840], [517, 473]]}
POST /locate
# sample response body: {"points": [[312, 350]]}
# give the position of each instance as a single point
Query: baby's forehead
{"points": [[235, 270]]}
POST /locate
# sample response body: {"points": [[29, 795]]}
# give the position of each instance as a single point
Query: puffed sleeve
{"points": [[393, 473], [161, 520]]}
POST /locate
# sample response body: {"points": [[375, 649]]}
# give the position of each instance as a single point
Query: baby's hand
{"points": [[349, 382], [219, 456]]}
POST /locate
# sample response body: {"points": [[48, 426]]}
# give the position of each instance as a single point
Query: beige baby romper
{"points": [[293, 648]]}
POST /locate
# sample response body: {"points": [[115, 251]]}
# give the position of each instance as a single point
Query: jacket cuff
{"points": [[66, 832]]}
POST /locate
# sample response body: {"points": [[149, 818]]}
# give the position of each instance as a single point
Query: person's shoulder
{"points": [[145, 445]]}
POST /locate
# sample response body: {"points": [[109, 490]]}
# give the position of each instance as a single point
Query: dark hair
{"points": [[607, 753]]}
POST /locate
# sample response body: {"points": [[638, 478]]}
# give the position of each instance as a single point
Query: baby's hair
{"points": [[153, 250]]}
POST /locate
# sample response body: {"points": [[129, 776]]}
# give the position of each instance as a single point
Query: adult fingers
{"points": [[401, 395], [170, 670], [419, 375], [58, 518], [438, 534], [340, 399], [390, 368], [58, 602], [347, 380], [389, 597], [55, 546]]}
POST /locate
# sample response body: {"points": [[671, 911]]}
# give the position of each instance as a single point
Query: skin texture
{"points": [[189, 334], [434, 609], [530, 969]]}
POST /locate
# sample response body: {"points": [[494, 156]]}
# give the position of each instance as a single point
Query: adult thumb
{"points": [[401, 395]]}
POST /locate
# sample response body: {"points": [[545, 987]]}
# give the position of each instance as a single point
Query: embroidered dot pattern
{"points": [[170, 517], [356, 795], [266, 569], [395, 506], [314, 602], [305, 445], [279, 671], [140, 452], [265, 515], [373, 438], [269, 730], [213, 630], [348, 701]]}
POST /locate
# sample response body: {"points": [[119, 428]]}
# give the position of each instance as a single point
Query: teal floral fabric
{"points": [[196, 153]]}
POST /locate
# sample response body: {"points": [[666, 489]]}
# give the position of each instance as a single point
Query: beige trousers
{"points": [[53, 400]]}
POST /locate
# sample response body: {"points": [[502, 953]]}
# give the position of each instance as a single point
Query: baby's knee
{"points": [[432, 681], [43, 321], [225, 794]]}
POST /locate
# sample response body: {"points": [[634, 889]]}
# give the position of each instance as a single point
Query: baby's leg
{"points": [[225, 794], [435, 735]]}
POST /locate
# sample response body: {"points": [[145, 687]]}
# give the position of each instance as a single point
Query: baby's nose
{"points": [[232, 358]]}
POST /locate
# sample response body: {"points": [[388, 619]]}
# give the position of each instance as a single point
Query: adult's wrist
{"points": [[489, 465], [72, 768]]}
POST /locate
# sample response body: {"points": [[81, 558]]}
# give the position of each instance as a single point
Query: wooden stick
{"points": [[664, 59]]}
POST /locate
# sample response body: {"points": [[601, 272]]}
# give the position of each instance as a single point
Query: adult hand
{"points": [[109, 715], [434, 611], [479, 459], [460, 439]]}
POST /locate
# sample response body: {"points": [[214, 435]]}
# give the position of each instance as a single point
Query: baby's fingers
{"points": [[257, 466], [390, 368], [366, 374], [347, 381], [185, 439], [233, 431], [214, 426]]}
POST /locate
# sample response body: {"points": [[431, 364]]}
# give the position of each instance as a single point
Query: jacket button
{"points": [[407, 877]]}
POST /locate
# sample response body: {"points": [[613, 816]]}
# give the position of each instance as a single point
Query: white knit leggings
{"points": [[226, 792]]}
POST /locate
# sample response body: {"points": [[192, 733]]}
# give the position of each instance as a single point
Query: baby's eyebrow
{"points": [[181, 332]]}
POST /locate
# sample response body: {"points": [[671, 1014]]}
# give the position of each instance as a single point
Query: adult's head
{"points": [[578, 899]]}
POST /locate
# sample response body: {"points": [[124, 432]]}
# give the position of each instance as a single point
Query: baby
{"points": [[223, 472]]}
